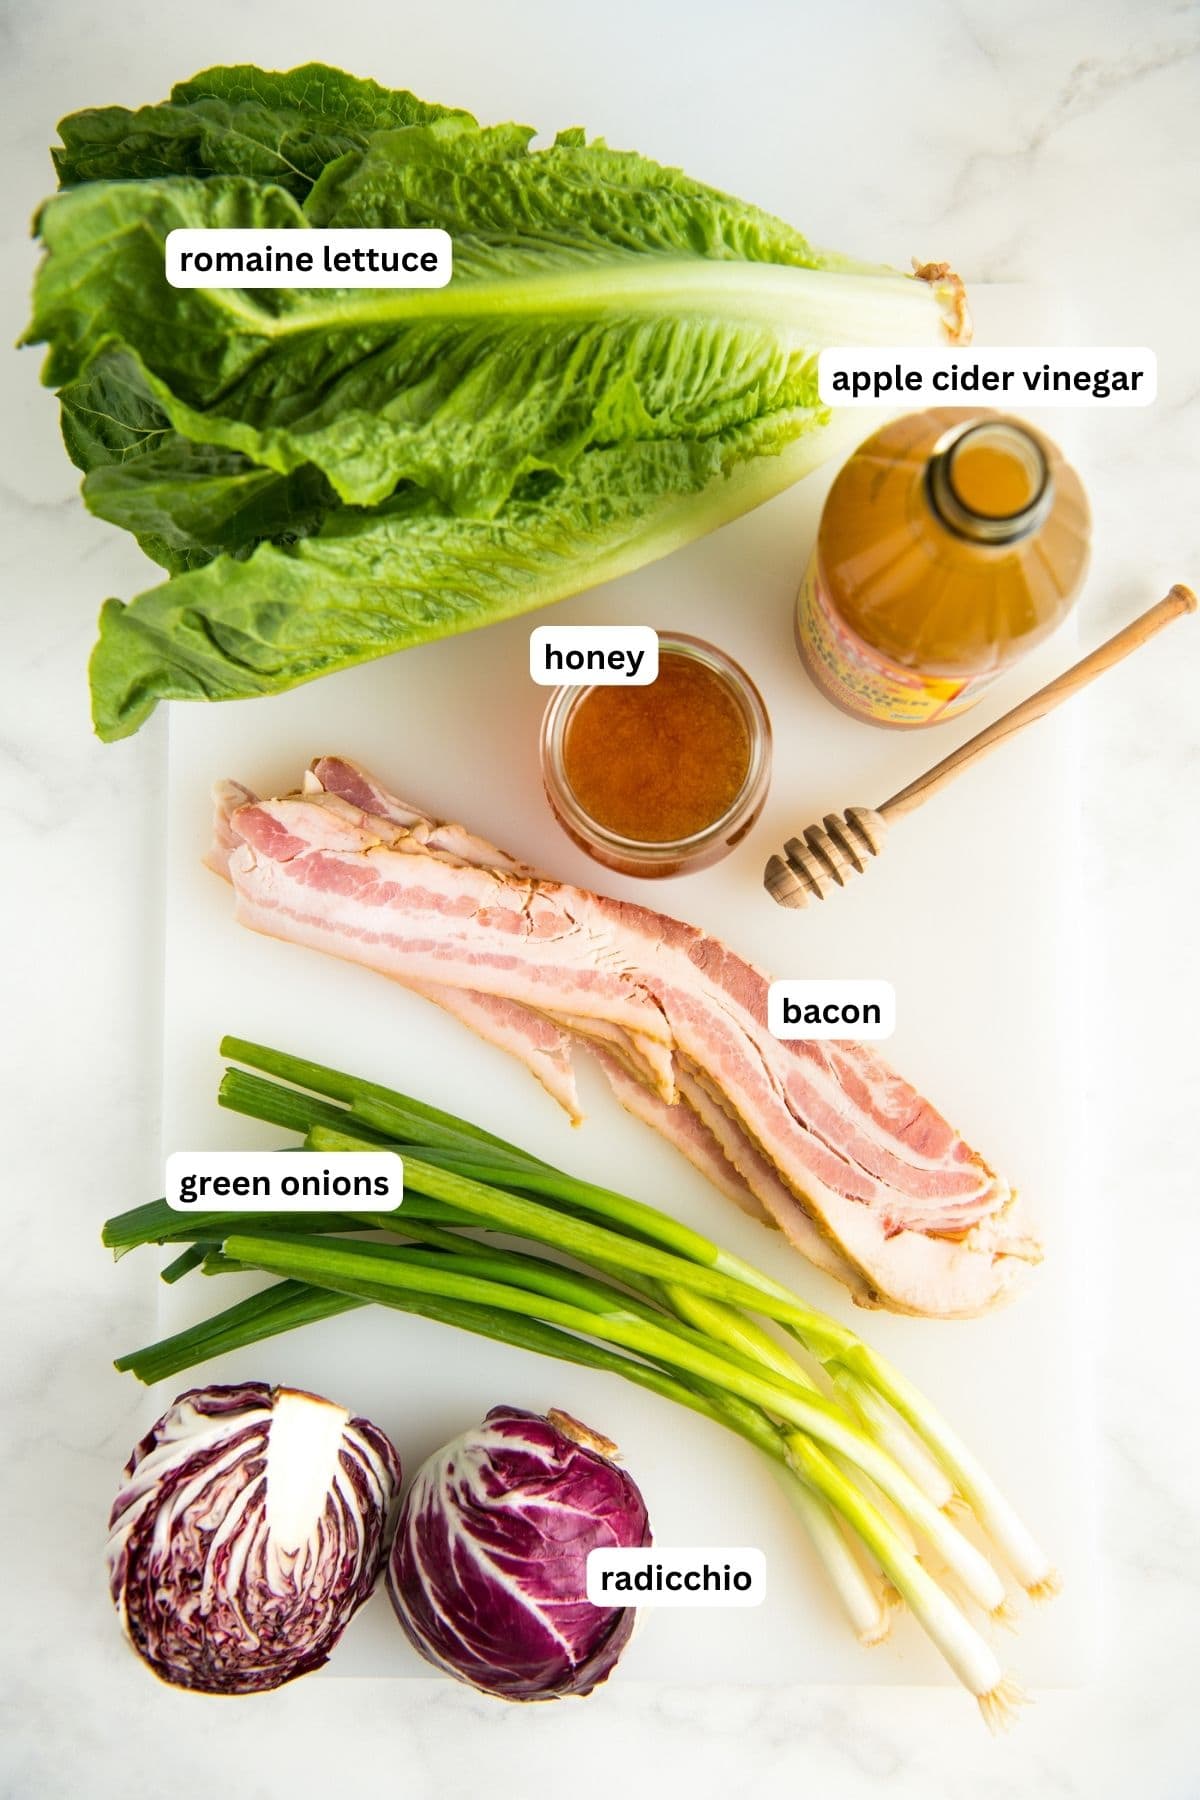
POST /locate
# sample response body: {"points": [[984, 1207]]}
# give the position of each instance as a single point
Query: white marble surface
{"points": [[1027, 141]]}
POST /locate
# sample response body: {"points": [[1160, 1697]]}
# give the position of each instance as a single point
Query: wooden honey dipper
{"points": [[842, 845]]}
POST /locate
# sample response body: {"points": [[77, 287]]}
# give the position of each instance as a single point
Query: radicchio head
{"points": [[488, 1570]]}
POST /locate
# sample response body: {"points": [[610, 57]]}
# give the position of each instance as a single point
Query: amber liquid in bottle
{"points": [[951, 543]]}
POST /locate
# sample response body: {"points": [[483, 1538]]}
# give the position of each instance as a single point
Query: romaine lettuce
{"points": [[623, 359]]}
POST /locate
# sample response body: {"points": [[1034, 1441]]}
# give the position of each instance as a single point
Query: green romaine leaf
{"points": [[109, 414], [513, 210], [197, 502], [184, 502], [374, 581], [281, 128]]}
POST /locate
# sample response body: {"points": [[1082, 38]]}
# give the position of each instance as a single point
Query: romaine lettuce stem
{"points": [[812, 306]]}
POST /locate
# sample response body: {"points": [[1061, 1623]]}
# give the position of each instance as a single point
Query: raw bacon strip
{"points": [[709, 1139], [624, 1057], [681, 1127], [520, 939], [776, 1202], [645, 1061], [372, 804], [692, 1127], [227, 797], [534, 1040], [337, 775], [315, 877], [877, 1170]]}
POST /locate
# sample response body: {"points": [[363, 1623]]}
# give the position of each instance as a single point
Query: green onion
{"points": [[282, 1308], [185, 1262]]}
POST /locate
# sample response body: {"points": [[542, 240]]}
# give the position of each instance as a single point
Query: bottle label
{"points": [[867, 684]]}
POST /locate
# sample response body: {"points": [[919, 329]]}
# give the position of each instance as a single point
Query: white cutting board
{"points": [[971, 914]]}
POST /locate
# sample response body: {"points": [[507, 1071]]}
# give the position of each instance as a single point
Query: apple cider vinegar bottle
{"points": [[951, 543]]}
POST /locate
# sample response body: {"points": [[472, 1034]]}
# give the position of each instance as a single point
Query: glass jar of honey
{"points": [[951, 543], [662, 779]]}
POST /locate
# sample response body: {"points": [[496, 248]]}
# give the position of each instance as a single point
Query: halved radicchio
{"points": [[250, 1525]]}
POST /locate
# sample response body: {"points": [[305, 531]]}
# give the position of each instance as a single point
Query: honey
{"points": [[662, 778], [662, 762]]}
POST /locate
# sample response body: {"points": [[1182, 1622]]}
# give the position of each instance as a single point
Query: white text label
{"points": [[294, 258], [293, 1181], [593, 655], [1020, 376], [677, 1577], [831, 1009]]}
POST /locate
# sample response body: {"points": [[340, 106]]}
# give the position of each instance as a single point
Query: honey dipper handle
{"points": [[1180, 600]]}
